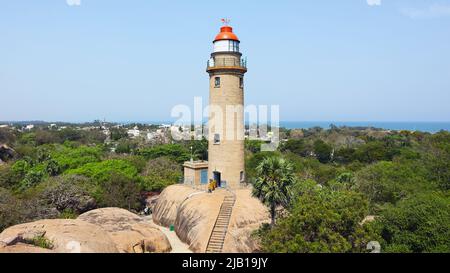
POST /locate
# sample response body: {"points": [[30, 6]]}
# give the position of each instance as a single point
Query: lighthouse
{"points": [[226, 69]]}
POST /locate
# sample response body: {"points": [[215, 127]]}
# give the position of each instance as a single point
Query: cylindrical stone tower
{"points": [[226, 71]]}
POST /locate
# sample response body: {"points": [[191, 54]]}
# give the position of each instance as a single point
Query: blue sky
{"points": [[352, 60]]}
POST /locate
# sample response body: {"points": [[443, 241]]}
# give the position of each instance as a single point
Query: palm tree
{"points": [[275, 175]]}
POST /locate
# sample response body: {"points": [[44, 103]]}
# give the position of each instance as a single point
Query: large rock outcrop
{"points": [[128, 231], [23, 248], [107, 230], [193, 214], [64, 235], [165, 209]]}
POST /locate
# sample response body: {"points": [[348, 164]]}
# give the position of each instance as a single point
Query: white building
{"points": [[134, 132]]}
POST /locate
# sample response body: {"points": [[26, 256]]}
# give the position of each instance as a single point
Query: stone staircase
{"points": [[219, 231]]}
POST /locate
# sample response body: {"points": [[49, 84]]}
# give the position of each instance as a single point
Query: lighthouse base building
{"points": [[226, 70]]}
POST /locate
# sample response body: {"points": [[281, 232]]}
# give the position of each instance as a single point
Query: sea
{"points": [[424, 126], [431, 127]]}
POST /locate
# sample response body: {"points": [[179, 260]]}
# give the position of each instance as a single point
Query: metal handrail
{"points": [[226, 62]]}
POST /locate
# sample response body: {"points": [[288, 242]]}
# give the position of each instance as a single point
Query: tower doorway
{"points": [[217, 177]]}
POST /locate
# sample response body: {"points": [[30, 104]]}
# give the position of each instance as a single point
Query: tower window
{"points": [[216, 138], [241, 82], [217, 82], [242, 176]]}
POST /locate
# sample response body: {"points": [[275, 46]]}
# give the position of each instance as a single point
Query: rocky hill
{"points": [[107, 230], [193, 214]]}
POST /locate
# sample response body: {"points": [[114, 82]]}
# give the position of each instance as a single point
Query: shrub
{"points": [[120, 191], [322, 151], [10, 209], [321, 221], [417, 224], [388, 182], [75, 157], [104, 170], [175, 152], [68, 193], [160, 173], [40, 241]]}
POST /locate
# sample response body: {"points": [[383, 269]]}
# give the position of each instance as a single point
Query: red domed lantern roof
{"points": [[226, 33]]}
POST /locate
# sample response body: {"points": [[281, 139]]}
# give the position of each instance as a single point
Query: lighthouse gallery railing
{"points": [[226, 62]]}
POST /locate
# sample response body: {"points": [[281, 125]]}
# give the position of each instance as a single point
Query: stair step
{"points": [[215, 244], [219, 231], [217, 239]]}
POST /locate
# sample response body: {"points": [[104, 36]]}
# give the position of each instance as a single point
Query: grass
{"points": [[40, 241]]}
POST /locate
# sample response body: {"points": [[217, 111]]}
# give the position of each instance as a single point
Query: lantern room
{"points": [[226, 41]]}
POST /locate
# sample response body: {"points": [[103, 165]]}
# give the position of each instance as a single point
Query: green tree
{"points": [[104, 170], [388, 182], [7, 136], [437, 159], [125, 146], [345, 155], [120, 191], [47, 137], [376, 151], [252, 161], [297, 146], [52, 167], [272, 186], [160, 173], [75, 157], [175, 152], [10, 209], [253, 146], [32, 178], [67, 193], [118, 133], [417, 224], [199, 148], [70, 134], [321, 220], [322, 151]]}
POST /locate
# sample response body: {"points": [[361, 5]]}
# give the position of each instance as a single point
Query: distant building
{"points": [[133, 133]]}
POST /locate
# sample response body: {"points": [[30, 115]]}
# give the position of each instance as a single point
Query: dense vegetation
{"points": [[355, 186], [328, 190], [62, 173]]}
